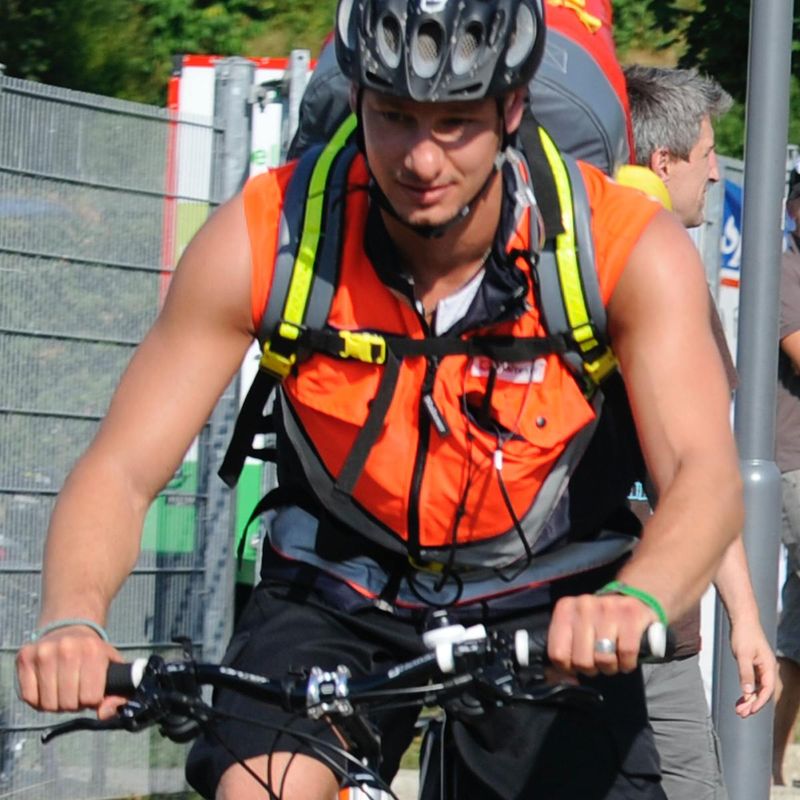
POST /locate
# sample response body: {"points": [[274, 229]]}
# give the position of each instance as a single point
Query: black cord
{"points": [[504, 576], [303, 738], [272, 796]]}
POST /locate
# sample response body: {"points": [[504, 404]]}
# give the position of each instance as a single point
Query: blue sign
{"points": [[731, 242]]}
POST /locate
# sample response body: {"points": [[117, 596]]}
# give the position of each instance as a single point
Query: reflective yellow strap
{"points": [[592, 23], [303, 271], [569, 273], [294, 307]]}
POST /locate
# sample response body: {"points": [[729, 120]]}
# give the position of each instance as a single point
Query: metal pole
{"points": [[297, 78], [233, 81], [747, 744], [230, 168]]}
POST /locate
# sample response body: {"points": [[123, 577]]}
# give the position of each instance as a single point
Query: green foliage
{"points": [[715, 35], [635, 28], [121, 48], [299, 24], [715, 40]]}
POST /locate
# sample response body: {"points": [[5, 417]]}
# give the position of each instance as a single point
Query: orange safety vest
{"points": [[469, 457]]}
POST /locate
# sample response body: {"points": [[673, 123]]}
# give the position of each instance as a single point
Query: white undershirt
{"points": [[454, 307]]}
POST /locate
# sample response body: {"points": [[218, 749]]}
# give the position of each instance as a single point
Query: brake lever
{"points": [[497, 683], [81, 724], [561, 694]]}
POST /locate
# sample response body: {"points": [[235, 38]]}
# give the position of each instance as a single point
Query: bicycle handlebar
{"points": [[168, 693], [449, 647]]}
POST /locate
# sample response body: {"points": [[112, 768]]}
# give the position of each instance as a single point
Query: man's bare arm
{"points": [[791, 346], [658, 320], [754, 657], [164, 398]]}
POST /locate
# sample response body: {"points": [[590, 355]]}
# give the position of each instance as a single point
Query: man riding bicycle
{"points": [[428, 425]]}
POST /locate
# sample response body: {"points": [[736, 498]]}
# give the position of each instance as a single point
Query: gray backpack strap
{"points": [[320, 176], [306, 267], [586, 255], [569, 291]]}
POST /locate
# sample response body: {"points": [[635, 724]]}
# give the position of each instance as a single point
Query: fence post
{"points": [[230, 167], [295, 83], [747, 744]]}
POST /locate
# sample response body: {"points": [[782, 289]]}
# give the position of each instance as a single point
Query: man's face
{"points": [[430, 159], [687, 180]]}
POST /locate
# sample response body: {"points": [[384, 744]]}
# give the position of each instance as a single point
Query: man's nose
{"points": [[713, 167], [424, 156]]}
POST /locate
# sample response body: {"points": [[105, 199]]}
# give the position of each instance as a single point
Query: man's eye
{"points": [[454, 122], [394, 117]]}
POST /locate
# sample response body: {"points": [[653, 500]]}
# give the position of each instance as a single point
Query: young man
{"points": [[462, 484], [787, 456], [673, 111]]}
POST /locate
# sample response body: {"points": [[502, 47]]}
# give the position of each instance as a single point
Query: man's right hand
{"points": [[65, 670]]}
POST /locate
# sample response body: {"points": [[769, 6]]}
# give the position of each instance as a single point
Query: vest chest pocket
{"points": [[533, 403], [339, 389]]}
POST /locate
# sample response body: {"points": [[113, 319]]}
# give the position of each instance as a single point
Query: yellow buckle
{"points": [[601, 367], [286, 330], [584, 336], [428, 566], [361, 346], [276, 363]]}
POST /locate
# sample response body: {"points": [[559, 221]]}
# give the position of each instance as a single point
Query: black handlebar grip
{"points": [[658, 644], [122, 680]]}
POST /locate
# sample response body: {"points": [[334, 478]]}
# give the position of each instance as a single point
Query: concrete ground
{"points": [[405, 784], [791, 772]]}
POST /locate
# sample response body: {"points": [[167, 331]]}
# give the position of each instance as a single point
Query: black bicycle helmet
{"points": [[440, 50]]}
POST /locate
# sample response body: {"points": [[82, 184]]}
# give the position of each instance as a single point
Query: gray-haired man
{"points": [[673, 111]]}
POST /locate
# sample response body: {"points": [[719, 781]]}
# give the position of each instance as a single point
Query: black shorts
{"points": [[511, 752]]}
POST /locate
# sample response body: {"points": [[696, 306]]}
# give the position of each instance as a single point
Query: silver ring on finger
{"points": [[605, 646]]}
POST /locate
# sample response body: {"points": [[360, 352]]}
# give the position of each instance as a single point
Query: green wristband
{"points": [[69, 623], [618, 587]]}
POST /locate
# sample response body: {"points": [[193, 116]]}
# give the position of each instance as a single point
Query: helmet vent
{"points": [[523, 38], [467, 49], [498, 24], [389, 40], [426, 49], [343, 22]]}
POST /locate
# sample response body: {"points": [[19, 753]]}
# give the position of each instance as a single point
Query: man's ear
{"points": [[353, 98], [660, 162], [513, 107]]}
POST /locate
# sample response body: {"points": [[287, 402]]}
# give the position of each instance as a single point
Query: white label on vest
{"points": [[518, 372]]}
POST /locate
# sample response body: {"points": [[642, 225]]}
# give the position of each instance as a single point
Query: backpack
{"points": [[578, 93]]}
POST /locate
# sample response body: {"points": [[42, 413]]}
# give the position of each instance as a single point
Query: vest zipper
{"points": [[425, 422]]}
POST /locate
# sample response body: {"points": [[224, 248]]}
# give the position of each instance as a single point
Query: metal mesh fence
{"points": [[90, 220]]}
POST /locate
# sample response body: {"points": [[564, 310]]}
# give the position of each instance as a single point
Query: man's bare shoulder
{"points": [[212, 280]]}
